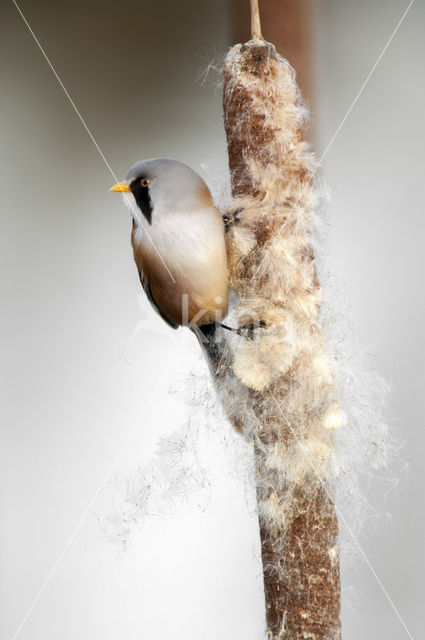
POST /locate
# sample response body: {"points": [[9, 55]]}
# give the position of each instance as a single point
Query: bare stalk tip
{"points": [[255, 21]]}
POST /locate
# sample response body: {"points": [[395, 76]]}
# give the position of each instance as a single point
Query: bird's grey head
{"points": [[161, 185]]}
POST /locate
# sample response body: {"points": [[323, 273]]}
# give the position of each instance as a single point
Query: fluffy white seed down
{"points": [[317, 405]]}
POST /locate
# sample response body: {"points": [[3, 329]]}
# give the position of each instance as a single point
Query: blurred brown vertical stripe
{"points": [[288, 25]]}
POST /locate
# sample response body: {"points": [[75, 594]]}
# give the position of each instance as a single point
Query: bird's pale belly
{"points": [[189, 288], [185, 304]]}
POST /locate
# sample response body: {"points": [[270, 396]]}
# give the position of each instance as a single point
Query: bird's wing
{"points": [[147, 289]]}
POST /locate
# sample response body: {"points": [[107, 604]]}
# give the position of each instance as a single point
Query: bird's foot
{"points": [[231, 218], [245, 331]]}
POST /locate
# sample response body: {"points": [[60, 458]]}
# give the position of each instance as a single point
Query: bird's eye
{"points": [[144, 182]]}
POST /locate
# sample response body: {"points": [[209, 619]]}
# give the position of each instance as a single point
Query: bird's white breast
{"points": [[191, 248]]}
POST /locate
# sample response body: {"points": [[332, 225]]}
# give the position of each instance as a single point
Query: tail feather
{"points": [[213, 348]]}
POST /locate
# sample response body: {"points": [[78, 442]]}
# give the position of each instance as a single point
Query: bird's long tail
{"points": [[213, 347]]}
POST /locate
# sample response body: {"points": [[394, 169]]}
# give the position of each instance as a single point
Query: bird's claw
{"points": [[231, 218]]}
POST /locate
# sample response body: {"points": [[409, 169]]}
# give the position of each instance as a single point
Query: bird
{"points": [[179, 245]]}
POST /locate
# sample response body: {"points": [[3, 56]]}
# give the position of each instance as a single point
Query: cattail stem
{"points": [[255, 21]]}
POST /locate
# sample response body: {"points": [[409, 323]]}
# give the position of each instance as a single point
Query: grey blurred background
{"points": [[76, 392]]}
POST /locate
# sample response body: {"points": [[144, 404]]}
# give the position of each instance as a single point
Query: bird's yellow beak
{"points": [[120, 186]]}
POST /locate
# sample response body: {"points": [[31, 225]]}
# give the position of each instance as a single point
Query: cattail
{"points": [[275, 379]]}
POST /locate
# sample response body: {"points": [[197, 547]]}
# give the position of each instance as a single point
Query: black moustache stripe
{"points": [[143, 199]]}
